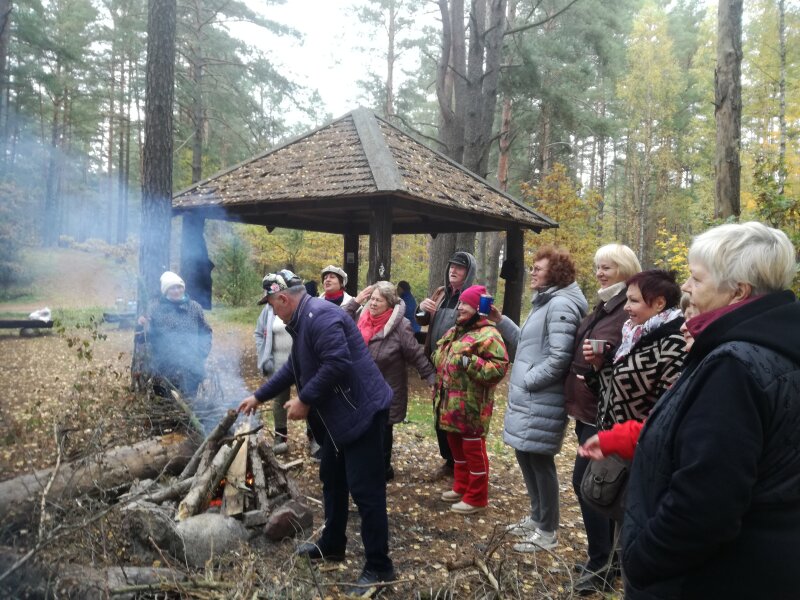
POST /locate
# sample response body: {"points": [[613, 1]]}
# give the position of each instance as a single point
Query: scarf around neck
{"points": [[607, 293], [335, 297], [631, 333], [369, 325]]}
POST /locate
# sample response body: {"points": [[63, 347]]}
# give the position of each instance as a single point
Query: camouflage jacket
{"points": [[469, 364]]}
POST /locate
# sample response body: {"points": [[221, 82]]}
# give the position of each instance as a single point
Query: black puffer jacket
{"points": [[713, 503]]}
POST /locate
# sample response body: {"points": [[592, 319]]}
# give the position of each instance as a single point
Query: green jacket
{"points": [[469, 364]]}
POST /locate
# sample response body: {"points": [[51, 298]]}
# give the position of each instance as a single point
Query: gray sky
{"points": [[326, 59]]}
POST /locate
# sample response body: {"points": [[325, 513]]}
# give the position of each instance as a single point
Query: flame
{"points": [[250, 479]]}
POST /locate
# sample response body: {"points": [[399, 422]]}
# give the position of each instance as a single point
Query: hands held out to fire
{"points": [[295, 409]]}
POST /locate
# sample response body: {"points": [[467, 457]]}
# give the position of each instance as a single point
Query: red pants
{"points": [[471, 472]]}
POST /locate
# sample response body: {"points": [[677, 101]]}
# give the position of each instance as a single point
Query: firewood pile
{"points": [[193, 501], [232, 485]]}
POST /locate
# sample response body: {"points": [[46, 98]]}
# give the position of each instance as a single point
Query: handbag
{"points": [[604, 484]]}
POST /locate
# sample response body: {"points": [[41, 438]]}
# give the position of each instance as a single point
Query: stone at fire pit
{"points": [[207, 535], [289, 520]]}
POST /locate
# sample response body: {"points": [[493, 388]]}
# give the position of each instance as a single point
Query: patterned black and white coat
{"points": [[628, 389]]}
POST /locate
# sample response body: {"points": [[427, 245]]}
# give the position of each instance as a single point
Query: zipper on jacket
{"points": [[338, 388], [324, 424]]}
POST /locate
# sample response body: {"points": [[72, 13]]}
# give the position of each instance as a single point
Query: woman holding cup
{"points": [[614, 264]]}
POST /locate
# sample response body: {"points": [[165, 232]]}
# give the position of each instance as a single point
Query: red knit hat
{"points": [[472, 295]]}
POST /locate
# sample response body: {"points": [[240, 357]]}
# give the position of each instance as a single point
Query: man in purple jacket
{"points": [[346, 400]]}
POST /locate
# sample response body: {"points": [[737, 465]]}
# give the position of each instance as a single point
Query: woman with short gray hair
{"points": [[713, 501]]}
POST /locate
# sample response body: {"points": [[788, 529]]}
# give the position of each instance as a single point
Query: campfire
{"points": [[230, 489]]}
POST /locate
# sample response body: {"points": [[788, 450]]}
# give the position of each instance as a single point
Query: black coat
{"points": [[713, 502]]}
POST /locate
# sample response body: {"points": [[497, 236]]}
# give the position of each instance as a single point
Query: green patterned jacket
{"points": [[469, 365]]}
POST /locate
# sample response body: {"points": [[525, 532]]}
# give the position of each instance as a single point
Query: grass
{"points": [[241, 315], [420, 417]]}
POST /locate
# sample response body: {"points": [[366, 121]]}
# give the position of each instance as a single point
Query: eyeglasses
{"points": [[536, 269]]}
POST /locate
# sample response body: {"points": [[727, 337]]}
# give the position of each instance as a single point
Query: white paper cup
{"points": [[598, 346]]}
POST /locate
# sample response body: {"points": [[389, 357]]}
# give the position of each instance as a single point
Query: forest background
{"points": [[604, 121]]}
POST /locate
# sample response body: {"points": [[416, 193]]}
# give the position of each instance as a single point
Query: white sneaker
{"points": [[538, 540], [523, 528], [463, 508], [450, 496]]}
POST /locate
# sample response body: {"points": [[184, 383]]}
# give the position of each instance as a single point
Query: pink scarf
{"points": [[369, 325]]}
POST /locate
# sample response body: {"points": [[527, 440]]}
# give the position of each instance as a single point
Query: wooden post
{"points": [[350, 262], [515, 254], [195, 266], [380, 243]]}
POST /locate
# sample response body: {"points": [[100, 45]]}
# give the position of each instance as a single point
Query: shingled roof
{"points": [[330, 178]]}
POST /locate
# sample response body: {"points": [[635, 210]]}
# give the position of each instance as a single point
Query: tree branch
{"points": [[522, 28]]}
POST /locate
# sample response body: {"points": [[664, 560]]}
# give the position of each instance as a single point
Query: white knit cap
{"points": [[168, 279]]}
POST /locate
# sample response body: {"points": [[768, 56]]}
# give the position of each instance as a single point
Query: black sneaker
{"points": [[369, 583], [592, 583], [314, 552]]}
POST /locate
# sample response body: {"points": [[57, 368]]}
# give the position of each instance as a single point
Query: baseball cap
{"points": [[277, 282], [459, 258]]}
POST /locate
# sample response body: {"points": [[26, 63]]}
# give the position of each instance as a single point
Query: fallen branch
{"points": [[115, 468], [184, 587], [43, 504]]}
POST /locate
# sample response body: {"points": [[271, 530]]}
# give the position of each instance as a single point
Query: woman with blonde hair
{"points": [[613, 264]]}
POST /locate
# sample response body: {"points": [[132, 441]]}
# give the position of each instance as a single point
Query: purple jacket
{"points": [[333, 371]]}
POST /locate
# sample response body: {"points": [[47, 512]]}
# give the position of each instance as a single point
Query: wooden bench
{"points": [[26, 326], [124, 320]]}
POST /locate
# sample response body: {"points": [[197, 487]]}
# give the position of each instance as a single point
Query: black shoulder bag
{"points": [[603, 486]]}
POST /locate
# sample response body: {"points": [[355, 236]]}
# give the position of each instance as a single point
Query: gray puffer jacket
{"points": [[536, 417]]}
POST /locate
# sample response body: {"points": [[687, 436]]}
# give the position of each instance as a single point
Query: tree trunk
{"points": [[122, 135], [782, 96], [5, 33], [109, 237], [158, 145], [49, 232], [117, 467], [728, 108], [388, 109], [198, 117], [440, 249]]}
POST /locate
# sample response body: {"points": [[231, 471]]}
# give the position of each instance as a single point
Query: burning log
{"points": [[235, 481], [205, 483], [209, 444], [116, 468]]}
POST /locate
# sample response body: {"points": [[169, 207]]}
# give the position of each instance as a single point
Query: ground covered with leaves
{"points": [[75, 384]]}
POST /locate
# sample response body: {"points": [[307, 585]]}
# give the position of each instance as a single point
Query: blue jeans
{"points": [[357, 469]]}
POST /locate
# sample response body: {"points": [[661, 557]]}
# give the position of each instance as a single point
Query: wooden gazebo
{"points": [[360, 175]]}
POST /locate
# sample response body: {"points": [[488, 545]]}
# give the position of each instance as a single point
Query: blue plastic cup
{"points": [[485, 304]]}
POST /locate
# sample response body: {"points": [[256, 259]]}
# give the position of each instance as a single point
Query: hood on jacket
{"points": [[571, 292], [472, 270], [398, 313], [771, 321]]}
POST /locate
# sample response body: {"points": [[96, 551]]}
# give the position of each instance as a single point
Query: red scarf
{"points": [[696, 325], [369, 325], [334, 295]]}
